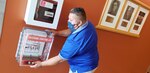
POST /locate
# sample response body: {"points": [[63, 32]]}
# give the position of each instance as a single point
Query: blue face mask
{"points": [[71, 27]]}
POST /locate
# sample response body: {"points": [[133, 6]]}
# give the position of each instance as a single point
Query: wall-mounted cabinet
{"points": [[124, 16], [33, 45], [43, 13]]}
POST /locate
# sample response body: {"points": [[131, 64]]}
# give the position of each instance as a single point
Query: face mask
{"points": [[71, 27]]}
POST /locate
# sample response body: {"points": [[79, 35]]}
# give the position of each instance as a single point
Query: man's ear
{"points": [[80, 23]]}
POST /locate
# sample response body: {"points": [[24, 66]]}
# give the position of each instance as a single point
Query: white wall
{"points": [[2, 10]]}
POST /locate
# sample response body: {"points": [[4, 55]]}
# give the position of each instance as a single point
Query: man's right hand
{"points": [[51, 31], [37, 64], [64, 33]]}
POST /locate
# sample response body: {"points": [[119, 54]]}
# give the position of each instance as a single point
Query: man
{"points": [[80, 48]]}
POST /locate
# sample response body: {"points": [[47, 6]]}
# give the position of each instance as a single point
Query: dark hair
{"points": [[79, 12]]}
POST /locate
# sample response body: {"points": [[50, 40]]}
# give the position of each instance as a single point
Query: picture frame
{"points": [[43, 13], [139, 20], [2, 12], [129, 18], [112, 12]]}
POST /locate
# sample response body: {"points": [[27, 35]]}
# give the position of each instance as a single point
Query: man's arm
{"points": [[64, 33], [50, 62]]}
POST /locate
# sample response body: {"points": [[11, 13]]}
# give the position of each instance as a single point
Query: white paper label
{"points": [[46, 4], [49, 14]]}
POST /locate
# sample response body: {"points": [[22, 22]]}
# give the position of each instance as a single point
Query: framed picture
{"points": [[124, 17], [139, 20], [127, 16], [43, 13], [112, 12], [2, 11]]}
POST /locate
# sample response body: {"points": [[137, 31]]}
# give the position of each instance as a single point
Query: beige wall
{"points": [[118, 53]]}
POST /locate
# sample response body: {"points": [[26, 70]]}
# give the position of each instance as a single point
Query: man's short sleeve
{"points": [[69, 49]]}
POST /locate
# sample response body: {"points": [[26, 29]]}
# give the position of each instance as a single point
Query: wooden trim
{"points": [[117, 31], [103, 12], [141, 4]]}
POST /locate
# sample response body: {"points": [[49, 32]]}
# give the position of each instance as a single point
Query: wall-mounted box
{"points": [[43, 13], [34, 45]]}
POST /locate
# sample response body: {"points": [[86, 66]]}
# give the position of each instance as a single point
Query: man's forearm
{"points": [[64, 33], [52, 61]]}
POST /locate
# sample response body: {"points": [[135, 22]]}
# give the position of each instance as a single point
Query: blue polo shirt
{"points": [[80, 49]]}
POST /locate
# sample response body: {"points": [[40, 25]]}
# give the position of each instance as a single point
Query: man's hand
{"points": [[51, 31], [36, 65], [64, 33], [50, 62]]}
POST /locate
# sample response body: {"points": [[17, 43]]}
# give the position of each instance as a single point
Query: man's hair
{"points": [[79, 12]]}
